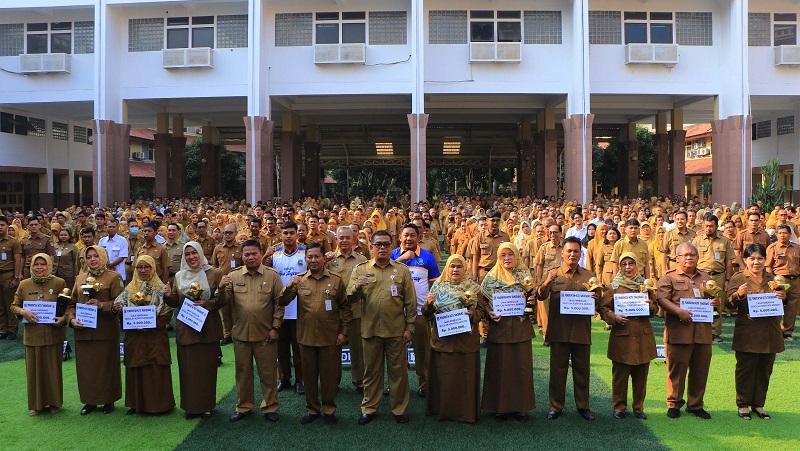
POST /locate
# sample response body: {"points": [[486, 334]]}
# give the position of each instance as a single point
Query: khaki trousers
{"points": [[716, 324], [620, 372], [393, 349], [321, 363], [559, 365], [790, 310], [227, 321], [266, 356], [356, 353], [8, 321], [422, 345], [694, 359]]}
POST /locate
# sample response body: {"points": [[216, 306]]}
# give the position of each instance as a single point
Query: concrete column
{"points": [[663, 171], [546, 163], [177, 183], [677, 163], [163, 164], [525, 161], [578, 157], [313, 178], [418, 126], [260, 163], [210, 163], [628, 162], [731, 166], [291, 159], [110, 162]]}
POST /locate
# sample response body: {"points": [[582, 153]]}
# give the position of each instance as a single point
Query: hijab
{"points": [[521, 237], [505, 276], [49, 275], [450, 292], [188, 275], [151, 289], [101, 252], [620, 280]]}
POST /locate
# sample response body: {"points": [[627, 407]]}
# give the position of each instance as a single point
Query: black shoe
{"points": [[87, 409], [521, 417], [283, 385], [309, 418], [640, 415], [206, 415], [699, 413], [192, 416], [225, 341], [271, 417], [618, 415], [12, 336], [422, 393], [586, 414], [785, 337], [108, 408], [763, 416], [745, 415], [170, 328], [386, 391], [360, 390], [546, 344], [716, 339], [499, 417], [219, 361], [236, 416], [299, 388], [552, 415], [673, 413], [365, 419], [131, 412], [402, 419], [3, 336], [331, 420]]}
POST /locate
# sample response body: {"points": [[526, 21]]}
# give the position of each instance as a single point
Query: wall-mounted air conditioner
{"points": [[200, 57], [787, 55], [495, 52], [666, 54], [355, 53], [138, 155], [45, 63]]}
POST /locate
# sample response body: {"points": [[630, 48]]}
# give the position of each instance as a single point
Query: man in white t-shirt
{"points": [[116, 247]]}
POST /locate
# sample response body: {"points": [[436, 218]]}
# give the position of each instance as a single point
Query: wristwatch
{"points": [[276, 328]]}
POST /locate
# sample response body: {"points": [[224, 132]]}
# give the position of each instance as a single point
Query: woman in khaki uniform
{"points": [[66, 263], [755, 340], [148, 380], [508, 377], [198, 352], [97, 350], [604, 268], [454, 367], [43, 342], [632, 344]]}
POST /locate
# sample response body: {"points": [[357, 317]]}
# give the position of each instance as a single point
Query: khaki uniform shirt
{"points": [[322, 309], [273, 239], [67, 261], [321, 238], [32, 246], [175, 253], [639, 249], [363, 249], [713, 253], [431, 245], [41, 334], [672, 286], [159, 254], [207, 243], [9, 248], [568, 328], [673, 239], [134, 243], [343, 266], [548, 257], [385, 312], [485, 246], [784, 259], [226, 257], [254, 303], [746, 238]]}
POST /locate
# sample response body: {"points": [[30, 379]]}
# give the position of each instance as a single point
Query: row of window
{"points": [[390, 28], [763, 129], [33, 126]]}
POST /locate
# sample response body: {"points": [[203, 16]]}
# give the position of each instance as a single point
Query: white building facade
{"points": [[315, 84]]}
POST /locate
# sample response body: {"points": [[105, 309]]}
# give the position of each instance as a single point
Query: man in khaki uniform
{"points": [[227, 256], [632, 243], [323, 317], [752, 234], [783, 258], [484, 247], [10, 275], [687, 344], [548, 257], [174, 246], [388, 312], [34, 243], [252, 291], [342, 263], [135, 241], [672, 239], [271, 232], [155, 250], [715, 256], [206, 242], [314, 234]]}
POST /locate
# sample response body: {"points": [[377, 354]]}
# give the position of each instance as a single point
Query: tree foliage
{"points": [[770, 191], [605, 162], [231, 164]]}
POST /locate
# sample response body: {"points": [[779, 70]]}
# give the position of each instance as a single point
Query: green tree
{"points": [[770, 191], [231, 164], [604, 167], [647, 154]]}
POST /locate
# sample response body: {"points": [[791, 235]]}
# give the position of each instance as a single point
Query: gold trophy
{"points": [[711, 289], [89, 287], [194, 291], [469, 298], [648, 285], [63, 300], [592, 285], [528, 286], [779, 283], [138, 298]]}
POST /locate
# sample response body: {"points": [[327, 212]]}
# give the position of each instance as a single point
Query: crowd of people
{"points": [[288, 284]]}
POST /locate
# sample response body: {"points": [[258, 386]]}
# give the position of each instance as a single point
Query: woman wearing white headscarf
{"points": [[523, 234], [148, 379], [198, 351]]}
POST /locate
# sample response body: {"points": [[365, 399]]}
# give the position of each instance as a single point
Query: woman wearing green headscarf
{"points": [[43, 342], [148, 380], [632, 344]]}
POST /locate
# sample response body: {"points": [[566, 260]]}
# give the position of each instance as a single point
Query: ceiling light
{"points": [[384, 148], [452, 145]]}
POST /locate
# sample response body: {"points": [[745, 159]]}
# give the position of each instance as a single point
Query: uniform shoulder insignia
{"points": [[360, 264], [272, 269], [669, 271]]}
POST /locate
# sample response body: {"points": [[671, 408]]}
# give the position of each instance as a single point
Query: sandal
{"points": [[33, 413], [762, 415], [744, 415]]}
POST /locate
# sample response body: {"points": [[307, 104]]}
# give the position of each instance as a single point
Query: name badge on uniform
{"points": [[394, 291], [241, 284], [233, 263], [3, 256], [131, 257], [716, 255], [58, 254], [696, 292], [328, 305]]}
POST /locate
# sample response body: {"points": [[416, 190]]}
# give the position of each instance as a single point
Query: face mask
{"points": [[134, 230], [363, 241]]}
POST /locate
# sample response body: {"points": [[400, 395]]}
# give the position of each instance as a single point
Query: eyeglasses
{"points": [[382, 244], [227, 232], [142, 268], [627, 264], [687, 255]]}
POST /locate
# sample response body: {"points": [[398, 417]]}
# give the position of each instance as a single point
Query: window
{"points": [[43, 37], [12, 39], [79, 134], [60, 131], [758, 30], [762, 129], [648, 28], [6, 123], [504, 26], [149, 152], [39, 127], [387, 28], [18, 125], [693, 29], [84, 37], [293, 29], [146, 35], [447, 27], [190, 32], [605, 27], [232, 31], [350, 29], [542, 27], [786, 125], [784, 29]]}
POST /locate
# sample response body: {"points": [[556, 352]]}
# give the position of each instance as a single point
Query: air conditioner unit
{"points": [[353, 53], [45, 63], [138, 155], [702, 151], [787, 55], [495, 52], [692, 154], [666, 54], [200, 57]]}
